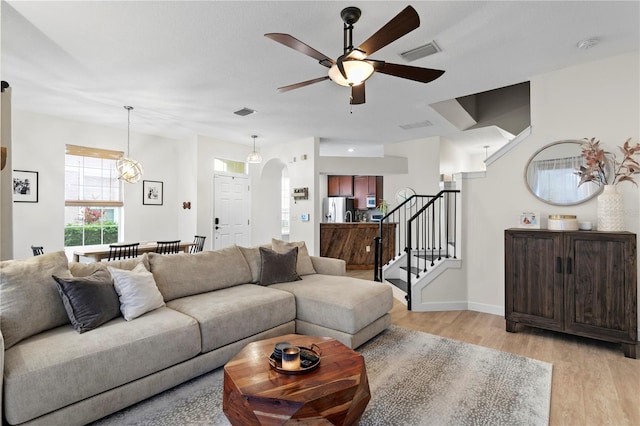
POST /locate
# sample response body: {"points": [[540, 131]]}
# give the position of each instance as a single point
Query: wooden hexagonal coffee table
{"points": [[336, 392]]}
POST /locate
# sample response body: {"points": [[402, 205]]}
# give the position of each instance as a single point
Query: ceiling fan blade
{"points": [[357, 94], [423, 75], [403, 23], [301, 47], [302, 84]]}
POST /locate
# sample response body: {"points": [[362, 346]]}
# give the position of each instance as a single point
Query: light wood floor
{"points": [[593, 383]]}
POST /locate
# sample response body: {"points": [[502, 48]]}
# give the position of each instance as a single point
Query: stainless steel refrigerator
{"points": [[335, 209]]}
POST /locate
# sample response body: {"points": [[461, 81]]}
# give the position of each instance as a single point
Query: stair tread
{"points": [[414, 270], [401, 284]]}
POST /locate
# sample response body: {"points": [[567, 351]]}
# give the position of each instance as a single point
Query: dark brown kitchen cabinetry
{"points": [[340, 186], [365, 186], [577, 282]]}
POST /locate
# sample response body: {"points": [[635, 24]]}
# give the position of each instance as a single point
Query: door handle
{"points": [[558, 265], [569, 267]]}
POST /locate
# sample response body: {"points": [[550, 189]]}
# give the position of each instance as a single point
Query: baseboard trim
{"points": [[439, 306], [458, 306], [487, 309]]}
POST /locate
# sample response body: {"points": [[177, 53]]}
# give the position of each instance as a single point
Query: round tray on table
{"points": [[309, 361]]}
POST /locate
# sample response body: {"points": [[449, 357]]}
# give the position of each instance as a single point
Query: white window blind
{"points": [[91, 178]]}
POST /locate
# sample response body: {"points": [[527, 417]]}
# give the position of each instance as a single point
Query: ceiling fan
{"points": [[353, 67]]}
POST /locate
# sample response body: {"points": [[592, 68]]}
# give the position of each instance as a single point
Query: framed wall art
{"points": [[25, 186], [151, 192]]}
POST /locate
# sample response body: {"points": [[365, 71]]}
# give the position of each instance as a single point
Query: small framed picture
{"points": [[25, 186], [152, 192], [529, 220]]}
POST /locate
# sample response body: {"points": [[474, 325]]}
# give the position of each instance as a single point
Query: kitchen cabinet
{"points": [[363, 186], [577, 282], [340, 186]]}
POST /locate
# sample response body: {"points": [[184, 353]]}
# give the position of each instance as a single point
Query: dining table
{"points": [[101, 251]]}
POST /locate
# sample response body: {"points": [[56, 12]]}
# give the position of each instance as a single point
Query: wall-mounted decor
{"points": [[529, 220], [152, 192], [25, 186]]}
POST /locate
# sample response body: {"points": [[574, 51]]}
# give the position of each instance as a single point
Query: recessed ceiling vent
{"points": [[244, 112], [425, 123], [421, 52]]}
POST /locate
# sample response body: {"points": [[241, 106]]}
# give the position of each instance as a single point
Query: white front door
{"points": [[230, 211]]}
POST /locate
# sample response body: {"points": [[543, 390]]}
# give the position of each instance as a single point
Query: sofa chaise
{"points": [[67, 362]]}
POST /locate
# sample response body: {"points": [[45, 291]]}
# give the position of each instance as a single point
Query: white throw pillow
{"points": [[137, 291]]}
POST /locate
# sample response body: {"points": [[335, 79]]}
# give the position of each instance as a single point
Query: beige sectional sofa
{"points": [[212, 305]]}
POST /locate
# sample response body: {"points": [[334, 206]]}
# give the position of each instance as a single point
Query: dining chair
{"points": [[123, 251], [37, 250], [168, 247], [198, 244]]}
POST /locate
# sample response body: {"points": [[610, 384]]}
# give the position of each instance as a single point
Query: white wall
{"points": [[598, 99], [423, 156], [39, 145], [302, 173]]}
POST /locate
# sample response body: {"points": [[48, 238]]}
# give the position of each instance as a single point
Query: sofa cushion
{"points": [[136, 290], [89, 301], [87, 364], [29, 299], [83, 269], [341, 303], [186, 274], [304, 265], [234, 313], [278, 267]]}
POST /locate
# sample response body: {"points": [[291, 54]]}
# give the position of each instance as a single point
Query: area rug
{"points": [[415, 379]]}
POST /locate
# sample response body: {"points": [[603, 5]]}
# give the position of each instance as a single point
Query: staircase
{"points": [[423, 244]]}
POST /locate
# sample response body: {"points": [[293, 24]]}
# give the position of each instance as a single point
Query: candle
{"points": [[291, 358]]}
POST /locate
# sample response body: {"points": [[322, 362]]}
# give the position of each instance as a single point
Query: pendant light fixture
{"points": [[129, 170], [486, 156], [254, 157]]}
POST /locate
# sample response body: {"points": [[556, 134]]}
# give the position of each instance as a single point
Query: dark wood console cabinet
{"points": [[577, 282]]}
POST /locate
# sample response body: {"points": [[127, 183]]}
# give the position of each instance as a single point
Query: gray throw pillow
{"points": [[89, 301], [278, 267]]}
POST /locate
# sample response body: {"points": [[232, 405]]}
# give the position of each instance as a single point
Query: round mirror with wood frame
{"points": [[550, 174]]}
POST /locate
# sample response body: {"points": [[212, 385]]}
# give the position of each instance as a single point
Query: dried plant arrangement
{"points": [[597, 159]]}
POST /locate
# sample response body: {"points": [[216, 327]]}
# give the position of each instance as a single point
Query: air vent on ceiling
{"points": [[421, 52], [244, 112], [425, 123]]}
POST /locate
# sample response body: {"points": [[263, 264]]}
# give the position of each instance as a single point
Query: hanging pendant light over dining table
{"points": [[128, 169]]}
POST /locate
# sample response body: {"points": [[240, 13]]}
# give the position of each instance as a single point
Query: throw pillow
{"points": [[29, 299], [137, 291], [83, 269], [90, 301], [252, 256], [304, 265], [278, 267]]}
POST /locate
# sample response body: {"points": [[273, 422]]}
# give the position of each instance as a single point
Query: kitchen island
{"points": [[349, 241]]}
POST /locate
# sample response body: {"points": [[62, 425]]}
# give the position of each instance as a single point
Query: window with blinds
{"points": [[93, 196]]}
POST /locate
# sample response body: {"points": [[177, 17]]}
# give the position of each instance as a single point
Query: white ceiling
{"points": [[187, 65]]}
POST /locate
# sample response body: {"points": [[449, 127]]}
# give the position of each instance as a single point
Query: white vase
{"points": [[610, 210]]}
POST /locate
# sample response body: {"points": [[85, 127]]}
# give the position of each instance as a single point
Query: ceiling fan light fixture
{"points": [[357, 72], [254, 156], [129, 170]]}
